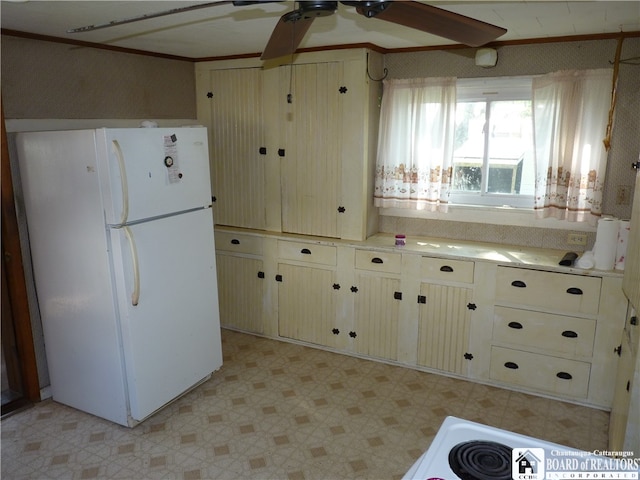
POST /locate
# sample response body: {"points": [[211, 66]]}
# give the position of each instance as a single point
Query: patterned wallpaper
{"points": [[536, 59], [55, 80]]}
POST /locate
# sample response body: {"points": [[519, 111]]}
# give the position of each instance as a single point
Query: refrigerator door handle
{"points": [[123, 181], [135, 295]]}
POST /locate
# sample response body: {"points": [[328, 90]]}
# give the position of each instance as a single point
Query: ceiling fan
{"points": [[292, 26]]}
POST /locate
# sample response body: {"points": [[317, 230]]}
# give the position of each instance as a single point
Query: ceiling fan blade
{"points": [[437, 21], [287, 35]]}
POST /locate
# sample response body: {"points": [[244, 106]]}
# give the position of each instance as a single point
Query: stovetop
{"points": [[465, 450]]}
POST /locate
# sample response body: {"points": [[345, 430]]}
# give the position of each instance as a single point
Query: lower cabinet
{"points": [[376, 301], [241, 278], [443, 331], [306, 304], [377, 309], [556, 333], [240, 292], [549, 374], [547, 332]]}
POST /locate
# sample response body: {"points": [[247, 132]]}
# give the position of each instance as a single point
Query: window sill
{"points": [[519, 217]]}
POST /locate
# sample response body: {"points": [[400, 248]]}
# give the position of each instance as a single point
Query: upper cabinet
{"points": [[310, 158], [293, 146], [235, 119]]}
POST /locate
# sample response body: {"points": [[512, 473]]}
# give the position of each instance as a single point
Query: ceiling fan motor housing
{"points": [[312, 9], [368, 8]]}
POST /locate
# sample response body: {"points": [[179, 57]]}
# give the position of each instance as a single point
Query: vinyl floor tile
{"points": [[279, 410]]}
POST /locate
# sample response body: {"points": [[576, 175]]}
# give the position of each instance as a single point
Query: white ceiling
{"points": [[228, 30]]}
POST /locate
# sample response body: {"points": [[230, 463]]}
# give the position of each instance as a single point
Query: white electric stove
{"points": [[471, 451]]}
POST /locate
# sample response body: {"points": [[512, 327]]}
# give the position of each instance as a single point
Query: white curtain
{"points": [[570, 112], [415, 145]]}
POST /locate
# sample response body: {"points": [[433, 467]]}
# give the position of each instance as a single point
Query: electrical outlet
{"points": [[577, 239]]}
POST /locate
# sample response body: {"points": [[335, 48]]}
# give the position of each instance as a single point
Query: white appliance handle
{"points": [[123, 180], [135, 295]]}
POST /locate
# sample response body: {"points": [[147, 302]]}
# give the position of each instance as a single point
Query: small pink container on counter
{"points": [[401, 240]]}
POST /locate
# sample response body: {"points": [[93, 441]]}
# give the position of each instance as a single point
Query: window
{"points": [[493, 161]]}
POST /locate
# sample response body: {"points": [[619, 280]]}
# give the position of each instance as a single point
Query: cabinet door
{"points": [[310, 167], [631, 281], [377, 308], [240, 292], [622, 395], [443, 332], [306, 304], [236, 138]]}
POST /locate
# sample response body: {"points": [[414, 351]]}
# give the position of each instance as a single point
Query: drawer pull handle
{"points": [[511, 365], [235, 241], [518, 283], [305, 251], [569, 334], [516, 325], [376, 260], [446, 268], [574, 291], [564, 375]]}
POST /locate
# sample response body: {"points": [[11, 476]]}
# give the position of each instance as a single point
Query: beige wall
{"points": [[530, 60], [55, 80]]}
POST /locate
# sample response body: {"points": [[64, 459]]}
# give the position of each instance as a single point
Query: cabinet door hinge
{"points": [[397, 295], [260, 274], [422, 299], [278, 278]]}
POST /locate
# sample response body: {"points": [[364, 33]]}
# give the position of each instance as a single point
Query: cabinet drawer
{"points": [[443, 269], [379, 261], [540, 372], [557, 291], [562, 335], [238, 242], [307, 252]]}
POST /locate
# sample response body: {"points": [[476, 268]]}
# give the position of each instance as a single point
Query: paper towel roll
{"points": [[623, 239], [604, 251]]}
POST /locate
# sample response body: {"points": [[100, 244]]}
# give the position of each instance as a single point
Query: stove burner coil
{"points": [[481, 460]]}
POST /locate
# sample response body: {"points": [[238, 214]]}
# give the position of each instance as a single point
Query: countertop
{"points": [[511, 255]]}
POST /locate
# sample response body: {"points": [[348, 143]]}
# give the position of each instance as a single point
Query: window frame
{"points": [[491, 89]]}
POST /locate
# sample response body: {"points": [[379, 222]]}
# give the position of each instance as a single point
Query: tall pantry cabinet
{"points": [[293, 144]]}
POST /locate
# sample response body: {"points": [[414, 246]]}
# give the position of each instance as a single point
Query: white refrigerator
{"points": [[121, 235]]}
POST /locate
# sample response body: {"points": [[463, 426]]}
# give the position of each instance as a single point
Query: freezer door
{"points": [[168, 300], [150, 172]]}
